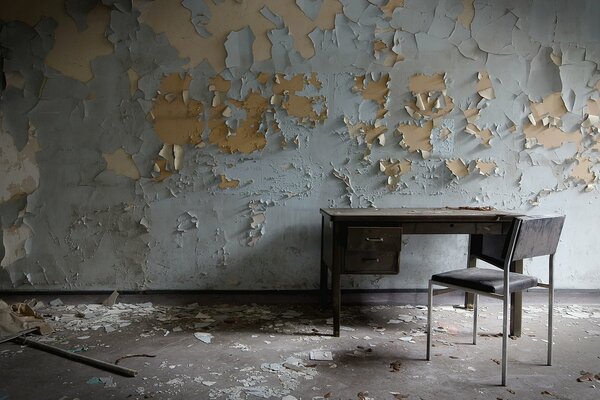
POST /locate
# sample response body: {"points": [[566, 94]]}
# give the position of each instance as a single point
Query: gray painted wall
{"points": [[114, 173]]}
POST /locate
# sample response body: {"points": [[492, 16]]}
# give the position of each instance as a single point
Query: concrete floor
{"points": [[262, 351]]}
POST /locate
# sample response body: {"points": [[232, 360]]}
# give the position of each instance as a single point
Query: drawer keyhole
{"points": [[374, 239]]}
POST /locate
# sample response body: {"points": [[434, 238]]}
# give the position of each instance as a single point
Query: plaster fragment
{"points": [[227, 183], [121, 163], [457, 167]]}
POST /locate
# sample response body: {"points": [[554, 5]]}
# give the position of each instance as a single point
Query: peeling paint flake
{"points": [[457, 167], [121, 163], [227, 183]]}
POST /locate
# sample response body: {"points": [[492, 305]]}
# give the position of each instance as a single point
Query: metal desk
{"points": [[368, 241]]}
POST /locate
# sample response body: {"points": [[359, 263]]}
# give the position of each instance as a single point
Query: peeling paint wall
{"points": [[189, 144]]}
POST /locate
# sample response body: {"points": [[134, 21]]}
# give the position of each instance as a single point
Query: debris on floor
{"points": [[321, 355]]}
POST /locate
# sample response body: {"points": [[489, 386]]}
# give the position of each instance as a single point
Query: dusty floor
{"points": [[263, 351]]}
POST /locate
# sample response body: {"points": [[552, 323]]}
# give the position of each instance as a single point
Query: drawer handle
{"points": [[370, 259], [374, 239]]}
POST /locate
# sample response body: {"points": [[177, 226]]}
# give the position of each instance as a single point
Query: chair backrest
{"points": [[537, 236]]}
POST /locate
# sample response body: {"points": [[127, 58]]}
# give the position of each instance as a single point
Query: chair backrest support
{"points": [[537, 236]]}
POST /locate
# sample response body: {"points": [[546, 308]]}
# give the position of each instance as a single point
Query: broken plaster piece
{"points": [[204, 337]]}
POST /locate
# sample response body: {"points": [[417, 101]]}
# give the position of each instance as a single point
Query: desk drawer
{"points": [[374, 238], [369, 262]]}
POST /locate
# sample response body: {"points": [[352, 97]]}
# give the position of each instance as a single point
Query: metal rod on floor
{"points": [[11, 337], [77, 357]]}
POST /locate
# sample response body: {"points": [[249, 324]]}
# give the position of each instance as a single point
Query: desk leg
{"points": [[471, 263], [336, 288], [324, 272], [516, 304]]}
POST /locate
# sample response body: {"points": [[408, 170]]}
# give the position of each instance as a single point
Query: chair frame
{"points": [[505, 297]]}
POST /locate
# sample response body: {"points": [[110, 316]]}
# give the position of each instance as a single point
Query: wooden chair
{"points": [[529, 237]]}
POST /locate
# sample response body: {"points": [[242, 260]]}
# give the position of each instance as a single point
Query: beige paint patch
{"points": [[551, 106], [16, 243], [301, 107], [550, 137], [15, 79], [484, 86], [420, 83], [227, 183], [485, 135], [172, 19], [121, 163], [486, 168], [176, 117], [133, 80], [390, 6], [431, 101], [457, 167], [417, 138], [393, 170], [376, 90], [248, 137], [582, 171], [21, 173], [467, 14], [364, 132], [72, 50], [471, 114]]}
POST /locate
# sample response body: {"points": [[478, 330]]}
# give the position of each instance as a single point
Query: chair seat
{"points": [[485, 280]]}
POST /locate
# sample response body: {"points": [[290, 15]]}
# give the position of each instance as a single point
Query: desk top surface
{"points": [[420, 214]]}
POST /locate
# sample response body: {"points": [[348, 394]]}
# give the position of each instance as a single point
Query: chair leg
{"points": [[475, 317], [505, 306], [550, 306], [429, 318]]}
